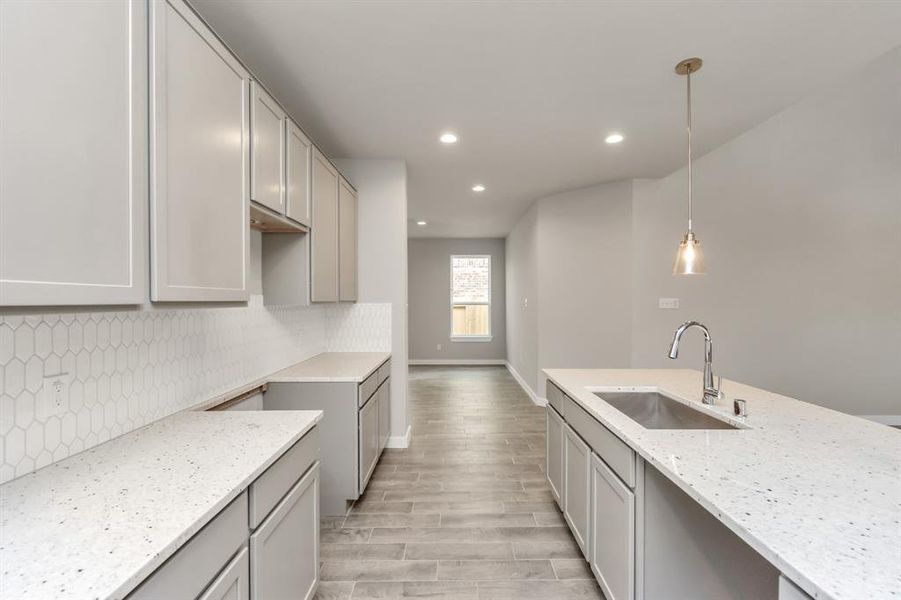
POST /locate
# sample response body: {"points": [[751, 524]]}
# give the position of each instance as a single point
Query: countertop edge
{"points": [[135, 580], [273, 378], [799, 579]]}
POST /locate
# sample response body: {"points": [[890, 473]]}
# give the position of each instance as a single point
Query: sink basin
{"points": [[653, 410]]}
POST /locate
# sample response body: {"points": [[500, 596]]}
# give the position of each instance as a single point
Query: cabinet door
{"points": [[384, 414], [233, 583], [284, 550], [576, 479], [324, 231], [612, 554], [347, 239], [555, 454], [369, 440], [200, 161], [73, 152], [300, 163], [267, 151]]}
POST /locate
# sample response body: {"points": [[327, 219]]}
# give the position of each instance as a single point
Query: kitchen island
{"points": [[814, 492]]}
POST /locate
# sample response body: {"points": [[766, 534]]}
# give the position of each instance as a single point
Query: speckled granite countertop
{"points": [[814, 491], [97, 524], [332, 367]]}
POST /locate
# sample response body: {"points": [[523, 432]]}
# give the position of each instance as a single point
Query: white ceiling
{"points": [[533, 87]]}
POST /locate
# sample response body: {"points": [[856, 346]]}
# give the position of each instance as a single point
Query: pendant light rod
{"points": [[688, 119], [687, 67]]}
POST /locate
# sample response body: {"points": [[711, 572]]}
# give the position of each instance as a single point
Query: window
{"points": [[471, 298]]}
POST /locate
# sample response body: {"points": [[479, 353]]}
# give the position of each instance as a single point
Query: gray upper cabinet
{"points": [[200, 126], [347, 242], [267, 153], [299, 166], [324, 242], [73, 152]]}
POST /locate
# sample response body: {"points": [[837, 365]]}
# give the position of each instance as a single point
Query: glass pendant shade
{"points": [[689, 258]]}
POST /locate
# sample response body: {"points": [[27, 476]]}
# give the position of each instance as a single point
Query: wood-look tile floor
{"points": [[465, 512]]}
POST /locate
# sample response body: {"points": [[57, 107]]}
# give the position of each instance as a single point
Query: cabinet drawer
{"points": [[274, 483], [614, 451], [555, 396], [385, 371], [368, 387], [193, 567]]}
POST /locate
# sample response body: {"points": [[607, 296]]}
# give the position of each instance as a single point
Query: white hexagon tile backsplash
{"points": [[124, 369]]}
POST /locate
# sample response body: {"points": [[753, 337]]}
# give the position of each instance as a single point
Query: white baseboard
{"points": [[453, 362], [536, 399], [401, 441], [893, 420]]}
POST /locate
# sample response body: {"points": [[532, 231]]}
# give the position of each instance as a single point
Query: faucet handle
{"points": [[719, 387]]}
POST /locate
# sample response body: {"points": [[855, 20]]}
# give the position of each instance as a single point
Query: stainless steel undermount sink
{"points": [[653, 410]]}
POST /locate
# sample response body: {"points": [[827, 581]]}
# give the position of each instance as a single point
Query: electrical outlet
{"points": [[668, 303], [438, 347], [54, 397]]}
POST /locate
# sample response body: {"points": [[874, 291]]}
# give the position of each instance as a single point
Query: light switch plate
{"points": [[668, 303]]}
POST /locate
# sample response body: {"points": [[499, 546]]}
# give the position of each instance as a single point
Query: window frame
{"points": [[469, 338]]}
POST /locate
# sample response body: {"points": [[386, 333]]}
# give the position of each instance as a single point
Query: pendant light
{"points": [[689, 258]]}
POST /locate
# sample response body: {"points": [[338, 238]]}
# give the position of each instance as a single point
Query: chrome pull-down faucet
{"points": [[711, 391]]}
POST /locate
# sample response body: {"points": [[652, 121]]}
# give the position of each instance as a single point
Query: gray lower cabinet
{"points": [[263, 546], [190, 570], [369, 439], [644, 537], [576, 484], [384, 414], [233, 582], [355, 428], [555, 454], [789, 591], [612, 548], [284, 549]]}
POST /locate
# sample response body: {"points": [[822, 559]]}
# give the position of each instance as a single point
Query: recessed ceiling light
{"points": [[448, 138], [478, 187], [614, 138], [421, 223]]}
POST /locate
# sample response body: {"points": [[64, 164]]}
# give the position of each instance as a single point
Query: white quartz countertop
{"points": [[97, 524], [814, 491], [332, 367]]}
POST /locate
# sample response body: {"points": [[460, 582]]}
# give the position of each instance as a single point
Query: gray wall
{"points": [[522, 299], [800, 220], [569, 300], [382, 260], [429, 300]]}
